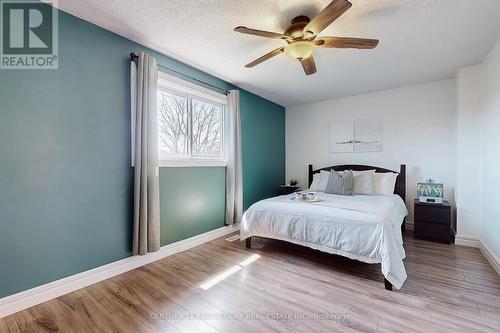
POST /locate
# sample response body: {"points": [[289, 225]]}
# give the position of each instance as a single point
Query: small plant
{"points": [[293, 182]]}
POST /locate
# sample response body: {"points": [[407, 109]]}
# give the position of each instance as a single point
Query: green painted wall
{"points": [[263, 142], [192, 201], [65, 175]]}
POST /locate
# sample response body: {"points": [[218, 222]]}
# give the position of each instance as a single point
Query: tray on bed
{"points": [[315, 199]]}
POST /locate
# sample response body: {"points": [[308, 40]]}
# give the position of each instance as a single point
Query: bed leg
{"points": [[388, 285], [249, 242]]}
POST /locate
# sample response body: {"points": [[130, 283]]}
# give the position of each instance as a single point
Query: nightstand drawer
{"points": [[433, 232], [434, 214]]}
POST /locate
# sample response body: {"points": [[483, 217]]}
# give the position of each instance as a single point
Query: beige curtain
{"points": [[146, 233], [234, 177]]}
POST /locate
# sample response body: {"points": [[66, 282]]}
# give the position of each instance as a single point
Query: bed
{"points": [[367, 228]]}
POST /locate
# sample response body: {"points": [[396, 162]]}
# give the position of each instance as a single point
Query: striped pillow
{"points": [[340, 183]]}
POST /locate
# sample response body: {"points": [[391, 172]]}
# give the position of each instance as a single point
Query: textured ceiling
{"points": [[420, 40]]}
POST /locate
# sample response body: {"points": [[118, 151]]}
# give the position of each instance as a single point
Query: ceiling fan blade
{"points": [[329, 14], [346, 42], [309, 65], [265, 57], [261, 33]]}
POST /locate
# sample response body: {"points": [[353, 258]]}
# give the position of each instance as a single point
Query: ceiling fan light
{"points": [[299, 50]]}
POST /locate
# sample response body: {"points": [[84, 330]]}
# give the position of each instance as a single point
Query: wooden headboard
{"points": [[399, 189]]}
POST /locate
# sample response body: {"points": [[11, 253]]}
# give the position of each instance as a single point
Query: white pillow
{"points": [[323, 180], [363, 182], [320, 180], [315, 183], [384, 183]]}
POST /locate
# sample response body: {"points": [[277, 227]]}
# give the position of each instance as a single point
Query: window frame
{"points": [[174, 85]]}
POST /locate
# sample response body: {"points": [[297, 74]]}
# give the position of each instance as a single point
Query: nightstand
{"points": [[287, 189], [433, 222]]}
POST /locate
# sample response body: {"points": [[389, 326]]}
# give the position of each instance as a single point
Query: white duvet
{"points": [[361, 227]]}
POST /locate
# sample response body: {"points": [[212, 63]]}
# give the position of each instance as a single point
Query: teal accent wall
{"points": [[65, 177], [263, 142], [192, 201]]}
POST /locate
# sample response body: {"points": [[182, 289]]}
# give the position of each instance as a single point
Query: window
{"points": [[190, 124]]}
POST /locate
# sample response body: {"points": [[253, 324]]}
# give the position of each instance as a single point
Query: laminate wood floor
{"points": [[278, 287]]}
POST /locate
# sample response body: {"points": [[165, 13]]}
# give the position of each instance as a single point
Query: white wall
{"points": [[490, 153], [419, 131], [478, 154], [469, 82]]}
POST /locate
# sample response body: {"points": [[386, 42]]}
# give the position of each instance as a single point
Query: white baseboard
{"points": [[409, 225], [46, 292], [490, 256], [467, 240], [482, 246]]}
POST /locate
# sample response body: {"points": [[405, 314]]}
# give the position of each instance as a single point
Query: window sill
{"points": [[192, 163]]}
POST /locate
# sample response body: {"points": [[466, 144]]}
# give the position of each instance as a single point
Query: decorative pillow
{"points": [[315, 183], [363, 182], [340, 183], [384, 183]]}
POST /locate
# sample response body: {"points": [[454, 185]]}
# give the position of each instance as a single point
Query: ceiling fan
{"points": [[302, 37]]}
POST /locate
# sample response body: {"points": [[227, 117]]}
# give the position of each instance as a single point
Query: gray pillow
{"points": [[340, 183]]}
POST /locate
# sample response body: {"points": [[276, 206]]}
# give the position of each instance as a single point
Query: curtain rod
{"points": [[134, 57]]}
